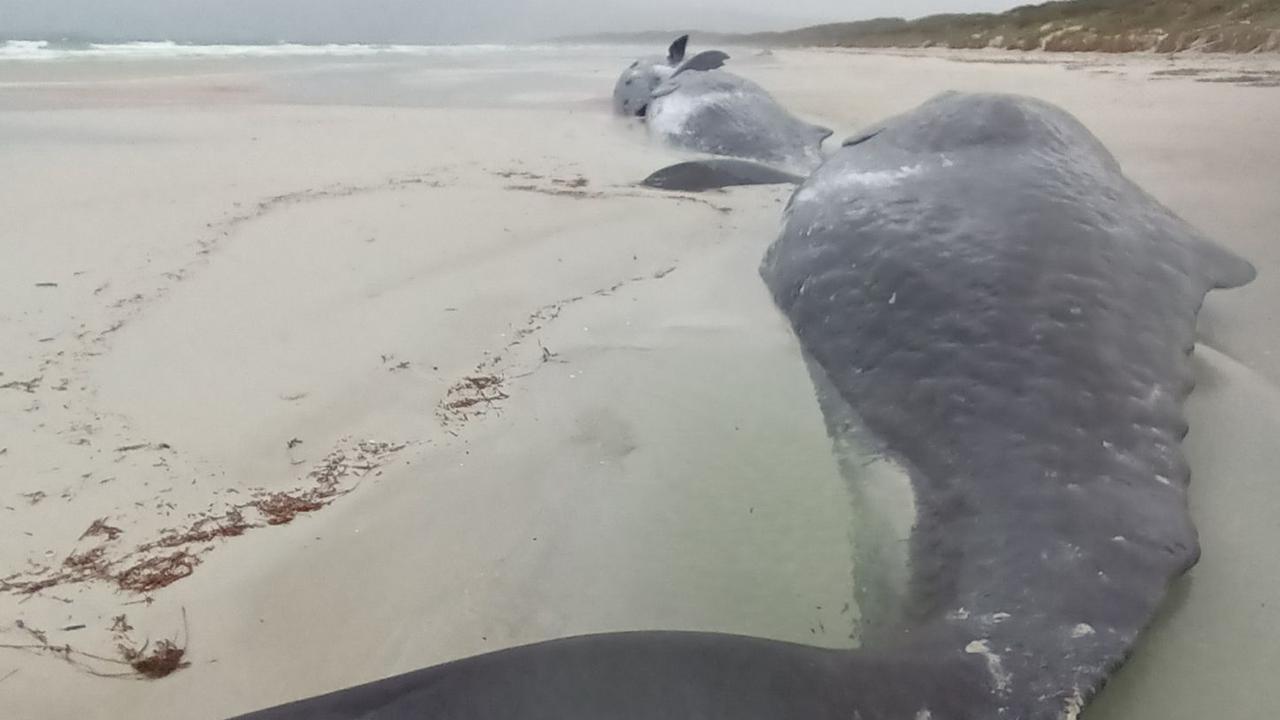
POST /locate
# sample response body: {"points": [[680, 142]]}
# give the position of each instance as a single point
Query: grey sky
{"points": [[431, 21]]}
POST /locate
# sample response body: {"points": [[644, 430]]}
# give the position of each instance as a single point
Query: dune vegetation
{"points": [[1064, 26]]}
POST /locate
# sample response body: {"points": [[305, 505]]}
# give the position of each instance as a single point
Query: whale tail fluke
{"points": [[705, 60]]}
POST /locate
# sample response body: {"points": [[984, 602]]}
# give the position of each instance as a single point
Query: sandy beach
{"points": [[330, 368]]}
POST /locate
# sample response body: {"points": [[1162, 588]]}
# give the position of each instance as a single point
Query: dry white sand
{"points": [[248, 253]]}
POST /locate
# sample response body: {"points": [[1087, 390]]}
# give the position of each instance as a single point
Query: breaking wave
{"points": [[47, 50]]}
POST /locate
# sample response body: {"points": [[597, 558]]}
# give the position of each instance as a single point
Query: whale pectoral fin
{"points": [[666, 88], [675, 54], [860, 138], [705, 60], [697, 175], [1218, 267], [1224, 268]]}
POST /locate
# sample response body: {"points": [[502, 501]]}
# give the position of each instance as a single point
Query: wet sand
{"points": [[221, 275]]}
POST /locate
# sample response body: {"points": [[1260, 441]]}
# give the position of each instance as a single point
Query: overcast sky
{"points": [[432, 21]]}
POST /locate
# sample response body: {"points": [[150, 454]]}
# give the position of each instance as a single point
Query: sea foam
{"points": [[45, 50]]}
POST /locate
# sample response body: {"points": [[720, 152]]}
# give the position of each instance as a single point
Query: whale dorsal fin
{"points": [[675, 54]]}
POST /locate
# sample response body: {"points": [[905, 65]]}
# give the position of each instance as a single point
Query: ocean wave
{"points": [[45, 50]]}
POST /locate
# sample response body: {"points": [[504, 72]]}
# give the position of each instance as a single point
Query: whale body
{"points": [[693, 104]]}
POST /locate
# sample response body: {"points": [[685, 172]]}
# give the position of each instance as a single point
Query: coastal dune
{"points": [[467, 386]]}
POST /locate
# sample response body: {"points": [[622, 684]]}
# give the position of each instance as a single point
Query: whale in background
{"points": [[693, 104]]}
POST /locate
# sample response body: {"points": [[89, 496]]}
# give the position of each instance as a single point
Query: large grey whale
{"points": [[983, 294], [1010, 316]]}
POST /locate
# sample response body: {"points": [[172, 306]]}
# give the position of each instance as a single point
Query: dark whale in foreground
{"points": [[988, 298]]}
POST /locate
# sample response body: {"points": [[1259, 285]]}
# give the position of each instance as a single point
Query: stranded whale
{"points": [[692, 104], [982, 294]]}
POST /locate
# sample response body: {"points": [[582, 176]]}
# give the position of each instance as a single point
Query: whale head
{"points": [[635, 86]]}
